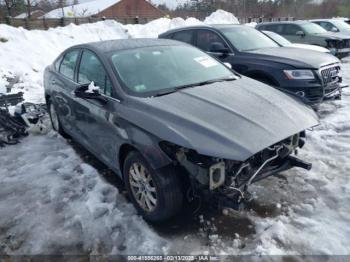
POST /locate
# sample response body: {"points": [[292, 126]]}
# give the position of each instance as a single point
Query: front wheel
{"points": [[55, 120], [156, 194]]}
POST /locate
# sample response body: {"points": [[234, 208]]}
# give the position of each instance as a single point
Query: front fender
{"points": [[148, 146]]}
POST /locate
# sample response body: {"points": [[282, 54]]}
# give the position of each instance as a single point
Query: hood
{"points": [[345, 32], [298, 58], [230, 120], [335, 36], [310, 47]]}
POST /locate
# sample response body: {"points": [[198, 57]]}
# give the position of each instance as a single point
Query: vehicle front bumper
{"points": [[333, 93], [311, 95], [343, 52]]}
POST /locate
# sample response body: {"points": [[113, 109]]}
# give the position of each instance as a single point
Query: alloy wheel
{"points": [[143, 187]]}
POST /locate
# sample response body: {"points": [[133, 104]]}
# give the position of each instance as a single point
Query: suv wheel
{"points": [[156, 194]]}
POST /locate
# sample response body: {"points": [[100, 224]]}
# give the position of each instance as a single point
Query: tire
{"points": [[162, 195], [55, 120]]}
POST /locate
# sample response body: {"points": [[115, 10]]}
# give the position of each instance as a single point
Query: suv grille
{"points": [[331, 78], [344, 44]]}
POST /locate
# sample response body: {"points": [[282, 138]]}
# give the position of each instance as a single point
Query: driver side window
{"points": [[206, 38], [91, 70], [328, 26], [291, 29]]}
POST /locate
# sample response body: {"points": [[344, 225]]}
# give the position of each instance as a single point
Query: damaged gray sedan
{"points": [[173, 122]]}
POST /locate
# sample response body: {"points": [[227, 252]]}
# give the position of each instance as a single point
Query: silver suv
{"points": [[310, 33], [334, 25]]}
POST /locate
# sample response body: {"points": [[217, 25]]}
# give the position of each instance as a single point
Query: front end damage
{"points": [[226, 182]]}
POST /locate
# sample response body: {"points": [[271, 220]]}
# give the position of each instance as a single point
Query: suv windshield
{"points": [[312, 28], [341, 25], [277, 38], [151, 71], [247, 39]]}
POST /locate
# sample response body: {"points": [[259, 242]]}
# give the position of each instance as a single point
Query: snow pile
{"points": [[316, 201], [221, 17], [156, 27], [82, 10], [3, 83], [252, 24], [52, 202], [27, 53]]}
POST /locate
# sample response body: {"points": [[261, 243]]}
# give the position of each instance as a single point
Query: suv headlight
{"points": [[299, 74]]}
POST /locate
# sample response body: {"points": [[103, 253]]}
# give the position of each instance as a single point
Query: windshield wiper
{"points": [[208, 82]]}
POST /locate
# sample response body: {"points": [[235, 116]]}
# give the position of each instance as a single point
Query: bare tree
{"points": [[62, 4], [29, 8], [47, 5], [10, 5]]}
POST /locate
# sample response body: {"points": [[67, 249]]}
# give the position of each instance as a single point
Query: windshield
{"points": [[341, 25], [150, 71], [312, 28], [247, 39], [277, 38]]}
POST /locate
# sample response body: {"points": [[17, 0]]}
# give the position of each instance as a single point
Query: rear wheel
{"points": [[55, 120], [156, 194]]}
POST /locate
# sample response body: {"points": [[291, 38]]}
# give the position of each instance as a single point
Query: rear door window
{"points": [[274, 28], [291, 29], [92, 70], [184, 36], [68, 64], [205, 39]]}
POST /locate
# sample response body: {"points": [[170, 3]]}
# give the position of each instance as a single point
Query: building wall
{"points": [[132, 8]]}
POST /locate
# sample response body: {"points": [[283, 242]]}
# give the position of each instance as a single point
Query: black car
{"points": [[311, 75], [172, 121]]}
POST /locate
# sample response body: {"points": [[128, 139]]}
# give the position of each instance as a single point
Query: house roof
{"points": [[82, 10], [25, 15]]}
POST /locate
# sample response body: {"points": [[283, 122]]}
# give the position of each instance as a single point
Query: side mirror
{"points": [[89, 91], [218, 49], [300, 33], [334, 29], [228, 65]]}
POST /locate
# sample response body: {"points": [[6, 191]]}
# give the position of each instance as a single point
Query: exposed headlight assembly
{"points": [[299, 74]]}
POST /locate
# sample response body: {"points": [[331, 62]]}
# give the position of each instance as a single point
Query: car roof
{"points": [[211, 26], [327, 20], [222, 26], [125, 44], [299, 22]]}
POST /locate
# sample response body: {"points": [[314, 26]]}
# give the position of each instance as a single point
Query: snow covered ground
{"points": [[55, 198]]}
